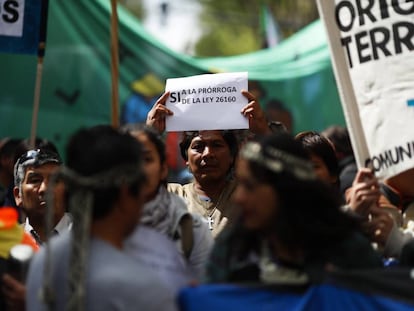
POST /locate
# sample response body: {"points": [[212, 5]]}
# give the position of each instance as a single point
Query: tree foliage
{"points": [[233, 27]]}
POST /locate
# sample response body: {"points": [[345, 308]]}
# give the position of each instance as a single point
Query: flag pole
{"points": [[39, 70], [345, 88], [114, 65]]}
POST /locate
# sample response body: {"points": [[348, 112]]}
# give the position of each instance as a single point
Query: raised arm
{"points": [[257, 119], [156, 116], [364, 193]]}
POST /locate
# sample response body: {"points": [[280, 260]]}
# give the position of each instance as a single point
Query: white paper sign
{"points": [[207, 102], [376, 39], [11, 18]]}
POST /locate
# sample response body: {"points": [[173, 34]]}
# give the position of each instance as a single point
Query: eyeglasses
{"points": [[39, 157]]}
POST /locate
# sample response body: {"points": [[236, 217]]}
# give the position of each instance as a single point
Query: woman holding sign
{"points": [[210, 156]]}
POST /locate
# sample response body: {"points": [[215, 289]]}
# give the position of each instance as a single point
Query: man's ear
{"points": [[17, 196]]}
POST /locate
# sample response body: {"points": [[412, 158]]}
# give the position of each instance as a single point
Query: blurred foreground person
{"points": [[291, 228], [87, 267], [12, 291], [166, 212]]}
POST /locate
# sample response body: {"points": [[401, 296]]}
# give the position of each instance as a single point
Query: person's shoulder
{"points": [[57, 244], [179, 189], [121, 286], [148, 246], [174, 187], [59, 247]]}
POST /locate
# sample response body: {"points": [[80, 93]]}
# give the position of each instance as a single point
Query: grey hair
{"points": [[19, 173]]}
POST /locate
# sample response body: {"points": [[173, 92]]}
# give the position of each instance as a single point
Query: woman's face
{"points": [[155, 170], [321, 170], [258, 201]]}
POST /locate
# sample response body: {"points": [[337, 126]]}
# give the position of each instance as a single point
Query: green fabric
{"points": [[76, 85]]}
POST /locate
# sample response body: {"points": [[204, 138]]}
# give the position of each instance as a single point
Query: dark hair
{"points": [[339, 136], [309, 214], [101, 148], [229, 137], [316, 144], [152, 135], [8, 148]]}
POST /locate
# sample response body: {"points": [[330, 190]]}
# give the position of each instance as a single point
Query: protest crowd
{"points": [[261, 218], [105, 229]]}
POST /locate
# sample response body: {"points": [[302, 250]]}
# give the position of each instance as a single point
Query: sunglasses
{"points": [[39, 157]]}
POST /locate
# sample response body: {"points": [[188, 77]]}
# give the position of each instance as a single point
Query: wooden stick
{"points": [[41, 49], [114, 65], [36, 101]]}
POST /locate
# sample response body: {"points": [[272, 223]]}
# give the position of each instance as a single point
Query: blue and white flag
{"points": [[21, 26], [270, 28]]}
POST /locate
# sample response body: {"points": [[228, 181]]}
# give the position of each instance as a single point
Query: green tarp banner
{"points": [[76, 79]]}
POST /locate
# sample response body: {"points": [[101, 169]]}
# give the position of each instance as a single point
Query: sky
{"points": [[180, 30]]}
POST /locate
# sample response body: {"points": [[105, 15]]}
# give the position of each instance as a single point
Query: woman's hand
{"points": [[364, 193]]}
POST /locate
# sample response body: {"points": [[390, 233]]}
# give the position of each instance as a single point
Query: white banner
{"points": [[372, 45], [207, 102], [11, 17]]}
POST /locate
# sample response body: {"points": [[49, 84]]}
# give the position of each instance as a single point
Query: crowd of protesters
{"points": [[110, 232]]}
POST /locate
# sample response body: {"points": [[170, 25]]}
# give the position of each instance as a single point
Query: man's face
{"points": [[209, 156], [32, 196]]}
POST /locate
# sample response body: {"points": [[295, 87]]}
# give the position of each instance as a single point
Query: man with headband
{"points": [[32, 174], [87, 267]]}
